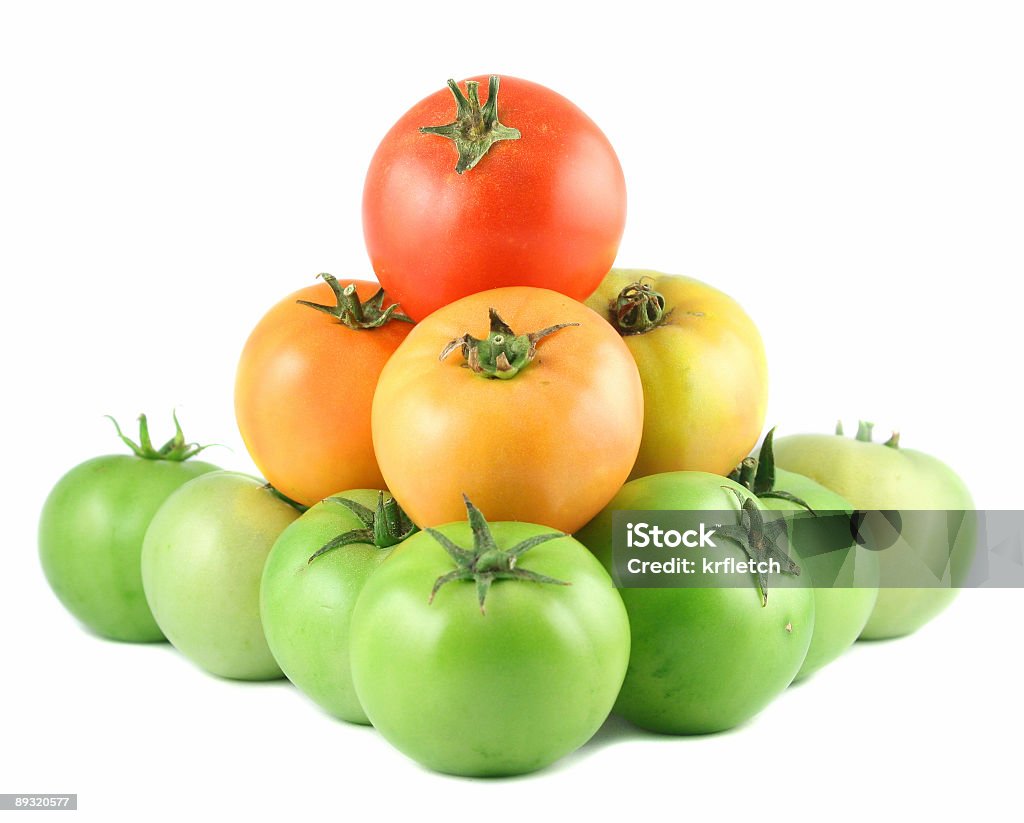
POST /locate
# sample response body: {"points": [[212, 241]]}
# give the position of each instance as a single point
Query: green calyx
{"points": [[486, 562], [352, 312], [757, 475], [175, 449], [503, 353], [759, 540], [638, 309], [865, 432], [475, 129], [383, 527]]}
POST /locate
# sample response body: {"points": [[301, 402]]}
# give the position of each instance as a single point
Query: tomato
{"points": [[845, 574], [92, 525], [880, 477], [702, 364], [704, 659], [305, 384], [308, 593], [201, 565], [484, 649], [526, 194], [543, 426]]}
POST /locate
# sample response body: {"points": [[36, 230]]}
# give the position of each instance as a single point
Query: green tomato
{"points": [[202, 560], [91, 531], [502, 687], [306, 604], [846, 576], [878, 477], [703, 659]]}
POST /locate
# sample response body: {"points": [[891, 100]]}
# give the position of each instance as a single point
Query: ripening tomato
{"points": [[305, 384], [523, 191], [202, 560], [878, 477], [703, 367], [538, 420]]}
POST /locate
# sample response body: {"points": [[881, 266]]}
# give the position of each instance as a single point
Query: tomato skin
{"points": [[202, 560], [702, 659], [546, 210], [840, 612], [306, 607], [90, 539], [704, 374], [303, 392], [501, 693], [876, 477], [551, 445]]}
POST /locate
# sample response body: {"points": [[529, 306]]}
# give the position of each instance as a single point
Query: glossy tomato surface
{"points": [[845, 575], [90, 539], [501, 692], [303, 393], [550, 445], [307, 605], [202, 561], [703, 659], [546, 209], [704, 374]]}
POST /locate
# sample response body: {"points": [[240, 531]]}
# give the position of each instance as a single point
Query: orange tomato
{"points": [[703, 368], [547, 440], [304, 390]]}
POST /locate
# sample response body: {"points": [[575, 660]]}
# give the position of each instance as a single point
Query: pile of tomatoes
{"points": [[431, 550]]}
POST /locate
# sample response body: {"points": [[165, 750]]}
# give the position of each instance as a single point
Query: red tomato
{"points": [[544, 205]]}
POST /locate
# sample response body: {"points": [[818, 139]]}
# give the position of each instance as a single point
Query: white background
{"points": [[852, 173]]}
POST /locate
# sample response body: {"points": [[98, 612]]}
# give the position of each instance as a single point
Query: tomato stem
{"points": [[383, 527], [894, 441], [745, 472], [175, 449], [486, 562], [757, 475], [475, 129], [638, 309], [503, 353], [352, 313], [284, 498]]}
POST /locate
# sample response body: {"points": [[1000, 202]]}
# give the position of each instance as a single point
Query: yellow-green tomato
{"points": [[881, 477], [702, 365], [202, 560], [306, 601], [499, 688], [703, 659]]}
